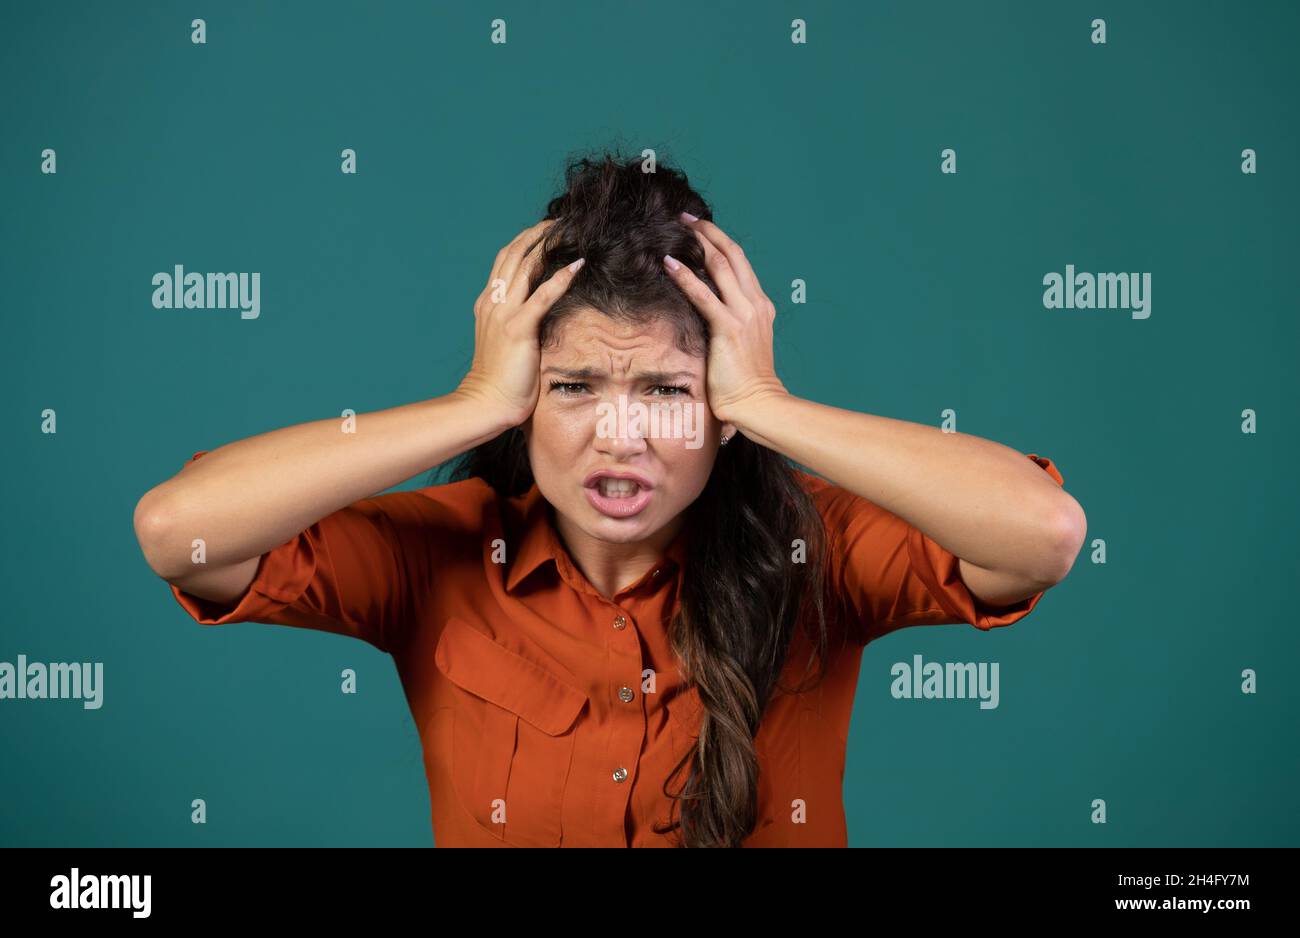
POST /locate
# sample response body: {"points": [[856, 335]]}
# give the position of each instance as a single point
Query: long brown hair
{"points": [[742, 598]]}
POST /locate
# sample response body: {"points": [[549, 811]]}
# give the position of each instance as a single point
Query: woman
{"points": [[665, 660]]}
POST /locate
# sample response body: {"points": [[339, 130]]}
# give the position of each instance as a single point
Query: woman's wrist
{"points": [[488, 406], [747, 412]]}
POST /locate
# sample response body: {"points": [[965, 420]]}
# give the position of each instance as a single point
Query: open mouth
{"points": [[619, 498], [617, 488]]}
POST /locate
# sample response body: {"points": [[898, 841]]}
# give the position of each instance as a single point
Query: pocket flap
{"points": [[487, 669]]}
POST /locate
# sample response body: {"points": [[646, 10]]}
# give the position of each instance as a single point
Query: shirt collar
{"points": [[540, 543]]}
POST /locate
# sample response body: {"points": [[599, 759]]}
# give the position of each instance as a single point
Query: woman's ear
{"points": [[728, 431]]}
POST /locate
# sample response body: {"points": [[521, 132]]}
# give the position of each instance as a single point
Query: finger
{"points": [[499, 260], [522, 261], [698, 292], [507, 258], [735, 254], [530, 259], [548, 291], [721, 271], [498, 265]]}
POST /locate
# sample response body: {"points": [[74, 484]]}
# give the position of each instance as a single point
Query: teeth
{"points": [[618, 488]]}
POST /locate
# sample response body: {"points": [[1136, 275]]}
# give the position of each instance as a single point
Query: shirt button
{"points": [[620, 622], [620, 774], [625, 694]]}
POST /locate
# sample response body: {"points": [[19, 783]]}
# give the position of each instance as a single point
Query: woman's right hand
{"points": [[507, 357]]}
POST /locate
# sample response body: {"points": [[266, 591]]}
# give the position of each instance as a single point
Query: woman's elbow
{"points": [[154, 525], [1070, 531]]}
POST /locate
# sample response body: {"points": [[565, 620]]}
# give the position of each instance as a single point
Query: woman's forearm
{"points": [[249, 496], [981, 500]]}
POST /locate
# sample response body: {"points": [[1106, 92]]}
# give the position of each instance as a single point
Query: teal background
{"points": [[924, 293]]}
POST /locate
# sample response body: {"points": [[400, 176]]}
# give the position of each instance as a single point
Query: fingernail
{"points": [[576, 264], [671, 261], [688, 217]]}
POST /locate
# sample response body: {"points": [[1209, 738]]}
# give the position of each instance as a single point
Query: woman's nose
{"points": [[631, 441], [620, 429]]}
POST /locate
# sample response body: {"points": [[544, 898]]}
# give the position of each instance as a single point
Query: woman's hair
{"points": [[742, 597]]}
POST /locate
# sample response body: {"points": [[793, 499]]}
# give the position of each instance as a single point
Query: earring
{"points": [[725, 440]]}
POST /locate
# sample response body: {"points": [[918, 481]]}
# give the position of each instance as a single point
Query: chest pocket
{"points": [[512, 736]]}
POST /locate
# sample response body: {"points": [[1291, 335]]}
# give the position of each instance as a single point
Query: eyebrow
{"points": [[587, 374]]}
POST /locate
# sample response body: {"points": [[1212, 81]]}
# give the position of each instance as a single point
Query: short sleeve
{"points": [[888, 574], [359, 571]]}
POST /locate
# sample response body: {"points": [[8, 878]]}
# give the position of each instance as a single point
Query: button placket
{"points": [[622, 770]]}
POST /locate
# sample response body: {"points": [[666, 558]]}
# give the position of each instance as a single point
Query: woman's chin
{"points": [[617, 530]]}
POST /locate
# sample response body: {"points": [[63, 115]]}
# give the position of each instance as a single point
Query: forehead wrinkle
{"points": [[622, 352], [620, 346]]}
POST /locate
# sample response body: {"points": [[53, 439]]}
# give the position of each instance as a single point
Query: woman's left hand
{"points": [[740, 366]]}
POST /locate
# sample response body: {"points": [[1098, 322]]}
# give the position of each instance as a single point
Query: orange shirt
{"points": [[526, 684]]}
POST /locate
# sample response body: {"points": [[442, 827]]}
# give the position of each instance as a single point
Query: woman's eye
{"points": [[566, 387], [571, 388]]}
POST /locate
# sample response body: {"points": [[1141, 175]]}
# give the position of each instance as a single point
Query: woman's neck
{"points": [[610, 566]]}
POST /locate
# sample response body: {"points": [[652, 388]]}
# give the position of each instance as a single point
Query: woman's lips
{"points": [[624, 507], [595, 477]]}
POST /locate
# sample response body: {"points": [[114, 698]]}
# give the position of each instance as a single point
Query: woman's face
{"points": [[628, 402]]}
